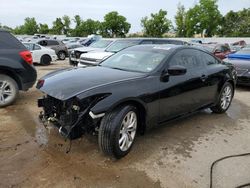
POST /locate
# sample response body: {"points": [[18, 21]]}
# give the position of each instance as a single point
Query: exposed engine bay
{"points": [[71, 117]]}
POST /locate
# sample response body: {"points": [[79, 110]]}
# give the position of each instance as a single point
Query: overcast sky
{"points": [[13, 12]]}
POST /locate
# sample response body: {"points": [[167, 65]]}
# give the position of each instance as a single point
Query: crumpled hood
{"points": [[96, 55], [67, 83]]}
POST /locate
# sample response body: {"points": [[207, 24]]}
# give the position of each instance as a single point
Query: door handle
{"points": [[203, 78]]}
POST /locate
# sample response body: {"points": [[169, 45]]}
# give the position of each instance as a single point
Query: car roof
{"points": [[162, 39], [172, 47], [156, 46]]}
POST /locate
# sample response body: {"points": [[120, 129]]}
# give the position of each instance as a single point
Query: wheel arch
{"points": [[141, 110], [12, 75], [44, 56]]}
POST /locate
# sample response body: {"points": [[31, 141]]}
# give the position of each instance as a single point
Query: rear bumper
{"points": [[53, 57], [27, 77], [27, 86]]}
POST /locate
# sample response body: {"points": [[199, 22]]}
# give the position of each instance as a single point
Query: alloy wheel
{"points": [[128, 131], [226, 97], [6, 92]]}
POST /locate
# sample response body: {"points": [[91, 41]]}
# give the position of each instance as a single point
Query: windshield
{"points": [[135, 60], [119, 45], [101, 44]]}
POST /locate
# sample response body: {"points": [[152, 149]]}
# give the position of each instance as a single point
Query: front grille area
{"points": [[78, 54]]}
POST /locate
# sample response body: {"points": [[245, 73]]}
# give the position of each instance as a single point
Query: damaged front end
{"points": [[72, 117]]}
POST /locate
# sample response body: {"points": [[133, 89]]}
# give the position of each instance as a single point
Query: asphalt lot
{"points": [[178, 154]]}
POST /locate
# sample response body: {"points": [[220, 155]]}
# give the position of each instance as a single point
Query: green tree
{"points": [[157, 25], [85, 28], [77, 30], [66, 24], [30, 26], [114, 25], [204, 18], [89, 27], [180, 21], [193, 25], [236, 24], [43, 29], [57, 27]]}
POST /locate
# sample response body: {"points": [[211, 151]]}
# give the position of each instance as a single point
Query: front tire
{"points": [[118, 130], [8, 90], [61, 55], [225, 99]]}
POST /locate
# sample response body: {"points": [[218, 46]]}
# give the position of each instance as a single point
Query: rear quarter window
{"points": [[208, 59], [8, 41]]}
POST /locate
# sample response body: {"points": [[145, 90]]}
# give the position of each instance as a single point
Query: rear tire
{"points": [[61, 55], [8, 90], [45, 60], [118, 131], [225, 99]]}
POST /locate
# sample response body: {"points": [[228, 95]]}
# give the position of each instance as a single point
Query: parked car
{"points": [[241, 61], [100, 45], [70, 40], [57, 45], [133, 90], [40, 54], [94, 58], [72, 46], [16, 69], [241, 43], [219, 50]]}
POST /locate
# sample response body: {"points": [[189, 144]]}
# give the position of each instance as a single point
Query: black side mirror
{"points": [[177, 70], [173, 71]]}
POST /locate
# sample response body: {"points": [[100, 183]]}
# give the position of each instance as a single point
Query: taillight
{"points": [[40, 84], [27, 57]]}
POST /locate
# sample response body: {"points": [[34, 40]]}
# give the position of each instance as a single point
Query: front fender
{"points": [[110, 102]]}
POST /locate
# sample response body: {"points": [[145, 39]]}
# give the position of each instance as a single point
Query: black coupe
{"points": [[133, 90]]}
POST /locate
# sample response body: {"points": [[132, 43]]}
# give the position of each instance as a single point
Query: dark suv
{"points": [[16, 68], [57, 45]]}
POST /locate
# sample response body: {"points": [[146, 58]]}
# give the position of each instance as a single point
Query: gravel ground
{"points": [[178, 154]]}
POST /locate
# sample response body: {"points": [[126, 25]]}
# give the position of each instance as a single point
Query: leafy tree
{"points": [[66, 24], [180, 21], [30, 26], [85, 28], [57, 27], [157, 25], [77, 30], [204, 16], [236, 24], [89, 27], [43, 29], [193, 24], [114, 25]]}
